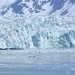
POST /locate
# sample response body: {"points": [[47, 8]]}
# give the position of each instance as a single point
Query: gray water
{"points": [[37, 62], [50, 68]]}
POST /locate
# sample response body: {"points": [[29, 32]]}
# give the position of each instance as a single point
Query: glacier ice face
{"points": [[20, 31]]}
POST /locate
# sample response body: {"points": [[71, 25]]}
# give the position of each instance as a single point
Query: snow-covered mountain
{"points": [[33, 30], [38, 7]]}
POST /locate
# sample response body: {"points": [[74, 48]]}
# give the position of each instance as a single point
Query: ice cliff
{"points": [[20, 31]]}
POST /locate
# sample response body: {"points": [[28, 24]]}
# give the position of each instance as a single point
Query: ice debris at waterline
{"points": [[19, 31]]}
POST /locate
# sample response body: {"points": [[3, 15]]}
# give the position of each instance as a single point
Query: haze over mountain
{"points": [[38, 7]]}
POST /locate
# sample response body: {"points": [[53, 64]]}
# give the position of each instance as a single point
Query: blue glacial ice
{"points": [[20, 31]]}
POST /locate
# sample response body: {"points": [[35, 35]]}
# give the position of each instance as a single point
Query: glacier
{"points": [[45, 32]]}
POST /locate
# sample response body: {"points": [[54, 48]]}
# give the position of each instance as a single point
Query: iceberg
{"points": [[21, 31]]}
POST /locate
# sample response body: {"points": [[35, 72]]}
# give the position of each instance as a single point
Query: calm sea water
{"points": [[37, 62], [50, 68]]}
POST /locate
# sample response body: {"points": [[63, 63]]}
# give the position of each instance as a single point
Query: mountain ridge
{"points": [[39, 7]]}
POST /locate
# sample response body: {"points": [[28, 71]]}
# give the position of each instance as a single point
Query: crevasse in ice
{"points": [[20, 31]]}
